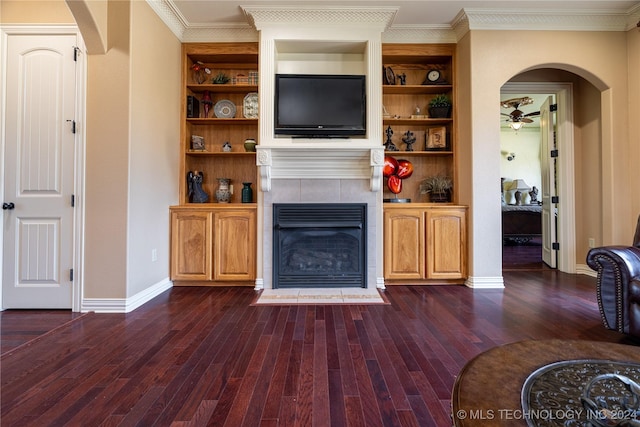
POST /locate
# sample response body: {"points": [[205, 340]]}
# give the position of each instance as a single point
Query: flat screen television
{"points": [[320, 105]]}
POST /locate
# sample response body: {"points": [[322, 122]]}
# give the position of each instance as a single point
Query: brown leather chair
{"points": [[618, 285]]}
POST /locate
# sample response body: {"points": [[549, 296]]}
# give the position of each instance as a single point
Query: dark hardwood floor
{"points": [[204, 356]]}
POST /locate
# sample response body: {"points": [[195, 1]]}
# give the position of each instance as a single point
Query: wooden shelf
{"points": [[220, 153], [419, 153], [415, 122], [216, 121], [416, 89], [225, 88]]}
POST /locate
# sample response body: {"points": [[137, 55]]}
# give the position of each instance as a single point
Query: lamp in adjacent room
{"points": [[519, 185]]}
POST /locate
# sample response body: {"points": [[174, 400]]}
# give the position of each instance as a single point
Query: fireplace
{"points": [[319, 245]]}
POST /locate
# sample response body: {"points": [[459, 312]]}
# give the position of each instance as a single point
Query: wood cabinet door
{"points": [[190, 245], [446, 243], [235, 245], [404, 244]]}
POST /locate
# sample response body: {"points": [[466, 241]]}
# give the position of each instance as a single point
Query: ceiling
{"points": [[428, 13]]}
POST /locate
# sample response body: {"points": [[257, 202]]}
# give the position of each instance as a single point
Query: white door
{"points": [[38, 171], [548, 190]]}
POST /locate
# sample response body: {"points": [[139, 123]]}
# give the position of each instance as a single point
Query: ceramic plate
{"points": [[250, 106], [224, 109]]}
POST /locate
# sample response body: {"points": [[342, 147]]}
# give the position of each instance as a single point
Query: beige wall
{"points": [[494, 59], [633, 153], [154, 145], [132, 142], [35, 12]]}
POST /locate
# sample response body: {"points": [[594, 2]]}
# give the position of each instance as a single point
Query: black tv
{"points": [[320, 105]]}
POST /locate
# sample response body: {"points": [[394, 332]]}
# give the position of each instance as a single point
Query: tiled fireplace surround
{"points": [[327, 40]]}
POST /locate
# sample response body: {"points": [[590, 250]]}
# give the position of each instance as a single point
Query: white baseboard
{"points": [[125, 305], [585, 269], [485, 282]]}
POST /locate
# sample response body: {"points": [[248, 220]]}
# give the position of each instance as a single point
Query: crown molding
{"points": [[328, 16], [170, 15], [541, 19], [382, 18], [419, 34]]}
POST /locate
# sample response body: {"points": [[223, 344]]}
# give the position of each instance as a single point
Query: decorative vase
{"points": [[250, 145], [247, 193], [206, 103], [199, 75], [223, 195]]}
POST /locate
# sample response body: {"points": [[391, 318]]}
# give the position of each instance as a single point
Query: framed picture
{"points": [[437, 138]]}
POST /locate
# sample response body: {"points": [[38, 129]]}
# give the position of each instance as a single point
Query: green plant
{"points": [[436, 184], [440, 101], [220, 78]]}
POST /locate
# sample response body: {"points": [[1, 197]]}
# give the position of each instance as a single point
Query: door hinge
{"points": [[555, 199], [76, 50], [73, 125], [71, 274], [555, 246], [73, 200], [554, 153], [553, 107]]}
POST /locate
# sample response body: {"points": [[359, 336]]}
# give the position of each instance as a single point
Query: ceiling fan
{"points": [[517, 118]]}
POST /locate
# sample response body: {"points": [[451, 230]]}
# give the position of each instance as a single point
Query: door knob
{"points": [[8, 206]]}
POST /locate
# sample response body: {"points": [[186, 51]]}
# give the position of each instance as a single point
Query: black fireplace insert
{"points": [[319, 245]]}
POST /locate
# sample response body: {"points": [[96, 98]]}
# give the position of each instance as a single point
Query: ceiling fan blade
{"points": [[533, 114], [505, 114], [525, 120]]}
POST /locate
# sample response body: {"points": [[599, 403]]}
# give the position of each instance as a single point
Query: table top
{"points": [[487, 390]]}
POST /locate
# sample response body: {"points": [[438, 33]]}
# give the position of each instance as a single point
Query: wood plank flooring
{"points": [[204, 356]]}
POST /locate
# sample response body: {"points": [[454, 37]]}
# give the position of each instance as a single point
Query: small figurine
{"points": [[403, 79], [389, 145], [409, 138], [195, 192], [226, 147]]}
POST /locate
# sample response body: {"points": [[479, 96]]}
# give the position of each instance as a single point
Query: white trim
{"points": [[477, 282], [79, 155], [566, 235], [586, 270], [126, 305]]}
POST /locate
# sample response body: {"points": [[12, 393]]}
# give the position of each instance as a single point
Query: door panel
{"points": [[39, 171], [548, 190]]}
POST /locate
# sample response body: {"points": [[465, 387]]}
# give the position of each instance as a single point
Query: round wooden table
{"points": [[487, 390]]}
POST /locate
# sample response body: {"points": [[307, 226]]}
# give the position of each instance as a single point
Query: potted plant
{"points": [[438, 187], [440, 106]]}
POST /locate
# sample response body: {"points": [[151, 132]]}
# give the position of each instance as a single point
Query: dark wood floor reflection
{"points": [[205, 356]]}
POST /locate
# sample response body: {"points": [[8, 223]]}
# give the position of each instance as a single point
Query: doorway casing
{"points": [[566, 232]]}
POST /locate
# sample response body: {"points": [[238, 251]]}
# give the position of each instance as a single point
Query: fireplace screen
{"points": [[319, 245]]}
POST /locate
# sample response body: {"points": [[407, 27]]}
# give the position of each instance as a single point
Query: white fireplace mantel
{"points": [[312, 162]]}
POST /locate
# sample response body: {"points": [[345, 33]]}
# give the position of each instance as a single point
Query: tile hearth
{"points": [[320, 296]]}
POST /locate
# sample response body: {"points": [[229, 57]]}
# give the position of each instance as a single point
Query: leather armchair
{"points": [[618, 285]]}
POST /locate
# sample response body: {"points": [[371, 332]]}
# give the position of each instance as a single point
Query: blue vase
{"points": [[247, 193]]}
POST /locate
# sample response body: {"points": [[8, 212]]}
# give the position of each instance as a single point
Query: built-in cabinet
{"points": [[215, 242], [425, 242]]}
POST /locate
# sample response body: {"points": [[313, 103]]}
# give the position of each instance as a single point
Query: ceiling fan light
{"points": [[516, 125]]}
